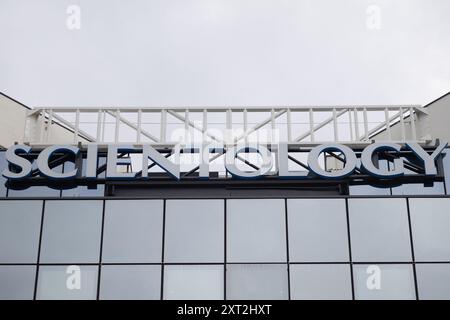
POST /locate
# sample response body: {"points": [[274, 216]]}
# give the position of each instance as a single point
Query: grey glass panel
{"points": [[320, 281], [317, 230], [257, 281], [379, 230], [53, 283], [418, 188], [433, 281], [133, 231], [17, 282], [36, 191], [83, 191], [194, 231], [193, 282], [2, 179], [20, 224], [396, 282], [430, 222], [256, 230], [446, 164], [367, 189], [132, 282], [71, 232]]}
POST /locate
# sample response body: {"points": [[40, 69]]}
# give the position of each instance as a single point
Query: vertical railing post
{"points": [[77, 126], [311, 124]]}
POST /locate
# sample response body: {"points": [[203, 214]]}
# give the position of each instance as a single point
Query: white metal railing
{"points": [[313, 125]]}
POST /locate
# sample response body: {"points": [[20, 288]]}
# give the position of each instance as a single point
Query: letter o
{"points": [[349, 166]]}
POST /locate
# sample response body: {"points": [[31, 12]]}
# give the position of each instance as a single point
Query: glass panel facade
{"points": [[71, 232], [17, 282], [320, 281], [430, 222], [317, 230], [84, 191], [67, 283], [133, 231], [130, 282], [193, 282], [175, 249], [384, 282], [379, 230], [256, 230], [20, 223], [36, 191], [194, 231], [433, 281], [3, 180], [257, 281]]}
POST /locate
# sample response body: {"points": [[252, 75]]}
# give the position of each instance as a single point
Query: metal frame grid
{"points": [[351, 263]]}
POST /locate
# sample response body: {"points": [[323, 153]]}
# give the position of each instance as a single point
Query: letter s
{"points": [[18, 161]]}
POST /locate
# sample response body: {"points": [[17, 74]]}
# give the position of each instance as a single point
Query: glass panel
{"points": [[256, 230], [433, 281], [17, 282], [67, 283], [133, 231], [130, 282], [367, 189], [2, 179], [417, 188], [257, 281], [446, 164], [36, 191], [20, 224], [430, 222], [194, 231], [71, 231], [83, 191], [379, 230], [317, 230], [320, 281], [396, 282], [193, 282]]}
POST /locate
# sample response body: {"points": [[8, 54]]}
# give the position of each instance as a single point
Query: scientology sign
{"points": [[20, 168]]}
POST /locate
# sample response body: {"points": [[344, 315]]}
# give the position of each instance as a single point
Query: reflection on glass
{"points": [[17, 282], [3, 180], [20, 223], [256, 230], [367, 189], [133, 231], [194, 231], [317, 230], [193, 282], [130, 282], [384, 282], [36, 191], [433, 281], [320, 282], [379, 230], [67, 283], [430, 222], [71, 232], [83, 191]]}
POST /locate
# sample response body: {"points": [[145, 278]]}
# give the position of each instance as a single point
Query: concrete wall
{"points": [[13, 117], [12, 121], [434, 124]]}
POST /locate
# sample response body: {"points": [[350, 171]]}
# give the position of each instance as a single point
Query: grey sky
{"points": [[224, 52]]}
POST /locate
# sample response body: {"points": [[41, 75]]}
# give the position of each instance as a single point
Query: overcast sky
{"points": [[224, 52]]}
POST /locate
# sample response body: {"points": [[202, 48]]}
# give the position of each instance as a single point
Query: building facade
{"points": [[218, 235]]}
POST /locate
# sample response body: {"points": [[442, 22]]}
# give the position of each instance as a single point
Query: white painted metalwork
{"points": [[294, 125]]}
